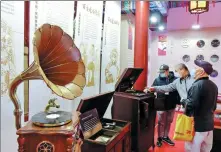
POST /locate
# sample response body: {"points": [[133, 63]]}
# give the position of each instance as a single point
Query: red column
{"points": [[26, 57], [141, 42]]}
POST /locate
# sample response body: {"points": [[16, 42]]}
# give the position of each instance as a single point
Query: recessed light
{"points": [[196, 26], [153, 19], [161, 28]]}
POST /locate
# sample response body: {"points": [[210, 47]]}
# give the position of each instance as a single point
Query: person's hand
{"points": [[149, 89]]}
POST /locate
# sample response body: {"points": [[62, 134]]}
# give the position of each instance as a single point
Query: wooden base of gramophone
{"points": [[40, 139]]}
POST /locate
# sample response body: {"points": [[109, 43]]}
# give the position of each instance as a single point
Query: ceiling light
{"points": [[196, 26], [198, 7], [153, 19], [161, 28]]}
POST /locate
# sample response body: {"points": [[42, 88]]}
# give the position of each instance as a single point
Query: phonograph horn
{"points": [[57, 61]]}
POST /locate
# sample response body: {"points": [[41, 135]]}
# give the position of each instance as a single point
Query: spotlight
{"points": [[153, 19], [161, 28], [196, 26]]}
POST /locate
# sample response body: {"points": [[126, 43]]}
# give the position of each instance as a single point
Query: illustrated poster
{"points": [[162, 46], [110, 71], [12, 64], [88, 27]]}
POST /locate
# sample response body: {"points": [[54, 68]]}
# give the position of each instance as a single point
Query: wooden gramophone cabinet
{"points": [[136, 107], [119, 136], [39, 139]]}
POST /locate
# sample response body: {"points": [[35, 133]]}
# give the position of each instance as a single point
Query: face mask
{"points": [[176, 74], [162, 75], [193, 73]]}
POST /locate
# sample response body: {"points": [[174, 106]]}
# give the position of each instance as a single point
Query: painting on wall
{"points": [[215, 43], [162, 45], [200, 43], [199, 57], [214, 74], [109, 73], [186, 58], [185, 43], [214, 58], [8, 72]]}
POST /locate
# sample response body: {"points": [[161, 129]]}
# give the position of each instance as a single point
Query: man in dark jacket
{"points": [[165, 117], [201, 104]]}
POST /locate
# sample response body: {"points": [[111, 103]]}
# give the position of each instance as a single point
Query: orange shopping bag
{"points": [[184, 129]]}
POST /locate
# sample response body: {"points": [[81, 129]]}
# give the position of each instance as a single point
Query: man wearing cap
{"points": [[201, 104], [181, 85], [165, 117]]}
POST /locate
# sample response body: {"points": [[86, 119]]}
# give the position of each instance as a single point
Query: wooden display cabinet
{"points": [[116, 133], [40, 139]]}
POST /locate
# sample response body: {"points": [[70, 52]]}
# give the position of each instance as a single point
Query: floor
{"points": [[179, 145]]}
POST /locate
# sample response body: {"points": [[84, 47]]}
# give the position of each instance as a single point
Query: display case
{"points": [[100, 134], [136, 107]]}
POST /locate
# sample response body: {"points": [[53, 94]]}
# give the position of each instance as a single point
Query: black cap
{"points": [[207, 67], [163, 68]]}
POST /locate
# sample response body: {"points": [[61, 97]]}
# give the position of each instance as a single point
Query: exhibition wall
{"points": [[183, 44], [90, 25], [127, 37], [12, 61]]}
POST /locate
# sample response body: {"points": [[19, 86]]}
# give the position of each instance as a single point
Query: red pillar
{"points": [[141, 42], [26, 57]]}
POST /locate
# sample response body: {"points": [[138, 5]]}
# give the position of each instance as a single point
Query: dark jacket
{"points": [[201, 104], [172, 98]]}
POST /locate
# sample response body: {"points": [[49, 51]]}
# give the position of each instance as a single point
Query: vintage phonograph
{"points": [[58, 63]]}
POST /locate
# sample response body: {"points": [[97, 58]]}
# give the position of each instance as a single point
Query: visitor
{"points": [[165, 117], [201, 104]]}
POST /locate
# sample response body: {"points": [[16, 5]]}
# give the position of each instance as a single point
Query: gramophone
{"points": [[57, 61]]}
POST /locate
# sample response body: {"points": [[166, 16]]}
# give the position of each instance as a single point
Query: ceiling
{"points": [[156, 6], [161, 8]]}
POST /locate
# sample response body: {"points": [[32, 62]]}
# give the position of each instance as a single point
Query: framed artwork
{"points": [[162, 45], [185, 43], [214, 58], [214, 74], [186, 58], [200, 43], [215, 43], [199, 57]]}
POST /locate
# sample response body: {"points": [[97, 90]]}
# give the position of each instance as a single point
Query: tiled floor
{"points": [[179, 145]]}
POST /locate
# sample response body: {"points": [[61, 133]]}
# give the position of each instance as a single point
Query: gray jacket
{"points": [[180, 85]]}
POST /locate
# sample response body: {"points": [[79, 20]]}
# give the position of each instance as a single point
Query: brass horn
{"points": [[57, 61]]}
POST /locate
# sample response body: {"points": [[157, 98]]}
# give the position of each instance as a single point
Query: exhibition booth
{"points": [[73, 72]]}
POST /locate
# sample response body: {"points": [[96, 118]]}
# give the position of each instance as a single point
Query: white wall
{"points": [[12, 61], [175, 51], [127, 55]]}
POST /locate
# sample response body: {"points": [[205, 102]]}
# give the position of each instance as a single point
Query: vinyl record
{"points": [[215, 43], [52, 119], [200, 43], [200, 57], [214, 58], [214, 74], [186, 58]]}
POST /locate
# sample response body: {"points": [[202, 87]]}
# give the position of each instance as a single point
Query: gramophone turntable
{"points": [[58, 63]]}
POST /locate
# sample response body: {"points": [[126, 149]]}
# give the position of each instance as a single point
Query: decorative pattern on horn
{"points": [[57, 61]]}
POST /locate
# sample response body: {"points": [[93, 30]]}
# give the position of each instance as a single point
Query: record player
{"points": [[139, 109], [57, 61], [101, 134]]}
